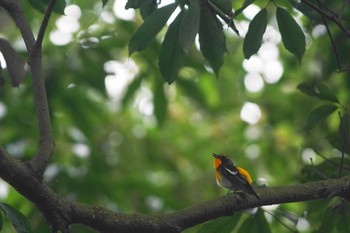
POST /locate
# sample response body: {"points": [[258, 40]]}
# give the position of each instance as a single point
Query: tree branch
{"points": [[44, 23], [40, 161], [60, 213]]}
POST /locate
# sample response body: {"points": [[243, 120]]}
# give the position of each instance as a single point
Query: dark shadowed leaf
{"points": [[335, 141], [344, 133], [148, 8], [17, 219], [15, 65], [150, 28], [132, 88], [319, 90], [1, 221], [223, 5], [41, 5], [256, 30], [189, 25], [171, 54], [220, 225], [255, 224], [246, 3], [312, 15], [293, 37], [135, 4], [160, 102], [319, 114], [211, 39], [104, 2]]}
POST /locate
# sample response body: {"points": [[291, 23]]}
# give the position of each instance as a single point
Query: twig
{"points": [[44, 23], [223, 16], [330, 16]]}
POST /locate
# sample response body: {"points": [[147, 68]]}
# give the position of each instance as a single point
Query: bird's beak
{"points": [[214, 155]]}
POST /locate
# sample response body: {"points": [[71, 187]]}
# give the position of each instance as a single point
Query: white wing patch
{"points": [[230, 171]]}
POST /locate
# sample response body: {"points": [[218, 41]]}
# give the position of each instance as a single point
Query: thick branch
{"points": [[61, 213], [40, 161]]}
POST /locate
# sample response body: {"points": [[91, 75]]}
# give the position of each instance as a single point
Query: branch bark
{"points": [[39, 162], [61, 213]]}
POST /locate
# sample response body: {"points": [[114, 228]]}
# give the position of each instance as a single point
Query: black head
{"points": [[224, 159]]}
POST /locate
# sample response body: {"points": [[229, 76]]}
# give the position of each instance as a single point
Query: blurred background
{"points": [[127, 141]]}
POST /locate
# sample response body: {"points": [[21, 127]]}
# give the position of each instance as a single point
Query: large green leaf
{"points": [[223, 5], [220, 225], [171, 54], [255, 224], [148, 8], [189, 25], [17, 219], [293, 37], [150, 28], [319, 90], [256, 30], [319, 114], [211, 39]]}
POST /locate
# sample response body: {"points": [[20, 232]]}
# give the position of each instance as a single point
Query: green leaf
{"points": [[293, 37], [224, 5], [150, 28], [15, 64], [17, 219], [104, 2], [256, 30], [171, 54], [256, 224], [189, 25], [147, 8], [220, 225], [211, 39], [344, 133], [246, 3], [335, 141], [41, 5], [310, 13], [318, 114], [160, 102], [134, 4], [132, 88], [319, 90]]}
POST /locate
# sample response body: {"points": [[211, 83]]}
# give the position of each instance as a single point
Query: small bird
{"points": [[232, 177]]}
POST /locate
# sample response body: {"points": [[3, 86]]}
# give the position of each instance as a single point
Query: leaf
{"points": [[171, 54], [211, 39], [335, 141], [220, 225], [15, 65], [41, 5], [160, 102], [310, 13], [319, 90], [318, 114], [189, 25], [344, 133], [224, 5], [293, 37], [150, 28], [17, 219], [104, 2], [256, 224], [246, 3], [134, 4], [256, 30], [132, 88], [147, 8]]}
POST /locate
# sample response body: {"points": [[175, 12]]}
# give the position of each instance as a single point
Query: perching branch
{"points": [[40, 161], [60, 213], [44, 23]]}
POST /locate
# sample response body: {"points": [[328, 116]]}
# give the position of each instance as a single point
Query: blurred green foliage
{"points": [[148, 147]]}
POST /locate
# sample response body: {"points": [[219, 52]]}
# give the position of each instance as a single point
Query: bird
{"points": [[232, 177]]}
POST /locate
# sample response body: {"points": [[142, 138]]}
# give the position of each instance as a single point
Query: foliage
{"points": [[147, 147]]}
